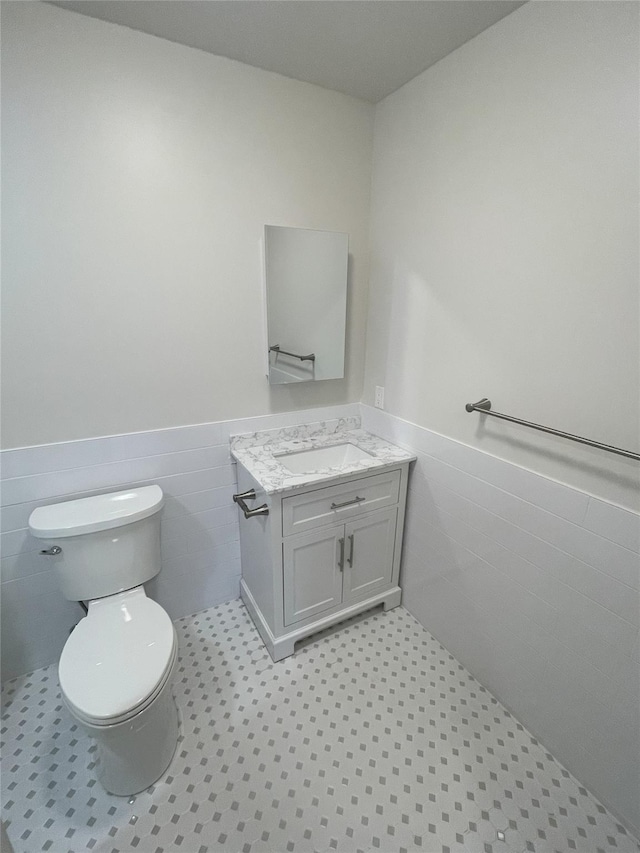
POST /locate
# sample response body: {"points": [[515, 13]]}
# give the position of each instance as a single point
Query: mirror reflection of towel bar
{"points": [[276, 348]]}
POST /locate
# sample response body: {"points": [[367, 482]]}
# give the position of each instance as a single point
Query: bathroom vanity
{"points": [[321, 518]]}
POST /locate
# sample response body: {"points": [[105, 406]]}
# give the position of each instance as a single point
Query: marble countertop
{"points": [[259, 452]]}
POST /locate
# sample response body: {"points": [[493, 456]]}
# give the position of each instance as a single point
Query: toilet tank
{"points": [[110, 543]]}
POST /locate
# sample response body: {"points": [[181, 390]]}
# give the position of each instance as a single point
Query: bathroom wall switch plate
{"points": [[379, 401]]}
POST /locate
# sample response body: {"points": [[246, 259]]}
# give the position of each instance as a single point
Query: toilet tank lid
{"points": [[100, 512]]}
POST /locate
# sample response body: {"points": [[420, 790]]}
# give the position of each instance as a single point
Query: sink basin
{"points": [[336, 456]]}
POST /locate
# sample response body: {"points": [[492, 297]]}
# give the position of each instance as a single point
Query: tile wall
{"points": [[200, 539], [533, 586]]}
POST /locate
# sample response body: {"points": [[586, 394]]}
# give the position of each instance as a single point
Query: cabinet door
{"points": [[369, 545], [312, 573]]}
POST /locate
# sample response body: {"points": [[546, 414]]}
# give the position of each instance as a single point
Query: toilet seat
{"points": [[118, 658], [98, 722]]}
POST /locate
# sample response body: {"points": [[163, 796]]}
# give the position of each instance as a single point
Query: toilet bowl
{"points": [[115, 675], [117, 666]]}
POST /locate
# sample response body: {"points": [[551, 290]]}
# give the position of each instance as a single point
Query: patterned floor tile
{"points": [[371, 738]]}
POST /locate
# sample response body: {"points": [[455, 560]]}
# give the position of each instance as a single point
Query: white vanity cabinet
{"points": [[323, 553]]}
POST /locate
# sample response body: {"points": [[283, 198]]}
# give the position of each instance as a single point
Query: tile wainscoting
{"points": [[533, 586], [200, 537]]}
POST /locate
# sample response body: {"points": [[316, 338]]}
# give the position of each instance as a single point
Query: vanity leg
{"points": [[281, 649], [393, 599]]}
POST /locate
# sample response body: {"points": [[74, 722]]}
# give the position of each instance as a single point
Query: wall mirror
{"points": [[306, 300]]}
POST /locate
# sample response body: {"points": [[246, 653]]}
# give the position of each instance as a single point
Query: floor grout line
{"points": [[371, 737]]}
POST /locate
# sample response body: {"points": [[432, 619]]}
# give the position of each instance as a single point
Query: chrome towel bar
{"points": [[484, 407], [276, 348], [250, 495]]}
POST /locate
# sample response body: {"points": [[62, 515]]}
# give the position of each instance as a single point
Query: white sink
{"points": [[336, 456]]}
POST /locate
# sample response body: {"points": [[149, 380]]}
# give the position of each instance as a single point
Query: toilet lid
{"points": [[116, 657]]}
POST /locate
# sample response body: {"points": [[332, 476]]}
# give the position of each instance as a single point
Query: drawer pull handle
{"points": [[341, 560], [250, 495], [355, 500], [350, 557]]}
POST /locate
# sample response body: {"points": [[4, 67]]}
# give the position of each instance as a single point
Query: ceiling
{"points": [[364, 48]]}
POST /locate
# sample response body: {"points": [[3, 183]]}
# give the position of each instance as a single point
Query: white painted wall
{"points": [[505, 242], [137, 177]]}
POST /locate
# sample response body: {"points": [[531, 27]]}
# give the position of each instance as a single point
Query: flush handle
{"points": [[52, 552]]}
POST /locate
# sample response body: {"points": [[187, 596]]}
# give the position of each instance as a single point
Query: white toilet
{"points": [[116, 667]]}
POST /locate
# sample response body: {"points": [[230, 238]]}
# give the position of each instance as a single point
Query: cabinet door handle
{"points": [[355, 500], [341, 560], [350, 557]]}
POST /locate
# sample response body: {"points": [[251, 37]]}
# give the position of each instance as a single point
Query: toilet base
{"points": [[134, 754]]}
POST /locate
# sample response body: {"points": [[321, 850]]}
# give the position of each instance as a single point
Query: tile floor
{"points": [[372, 737]]}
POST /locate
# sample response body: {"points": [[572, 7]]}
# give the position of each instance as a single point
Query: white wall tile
{"points": [[20, 566], [196, 502], [193, 583], [558, 498], [156, 442], [74, 480], [17, 542], [615, 523], [569, 539], [578, 611], [36, 621], [193, 523], [538, 581], [94, 451], [615, 561], [565, 568], [200, 536], [16, 516], [44, 458], [529, 583], [534, 587], [214, 545], [177, 485]]}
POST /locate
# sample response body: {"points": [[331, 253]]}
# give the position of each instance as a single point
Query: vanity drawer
{"points": [[334, 503]]}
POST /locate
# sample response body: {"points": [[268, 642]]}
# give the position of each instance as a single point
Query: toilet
{"points": [[117, 666]]}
